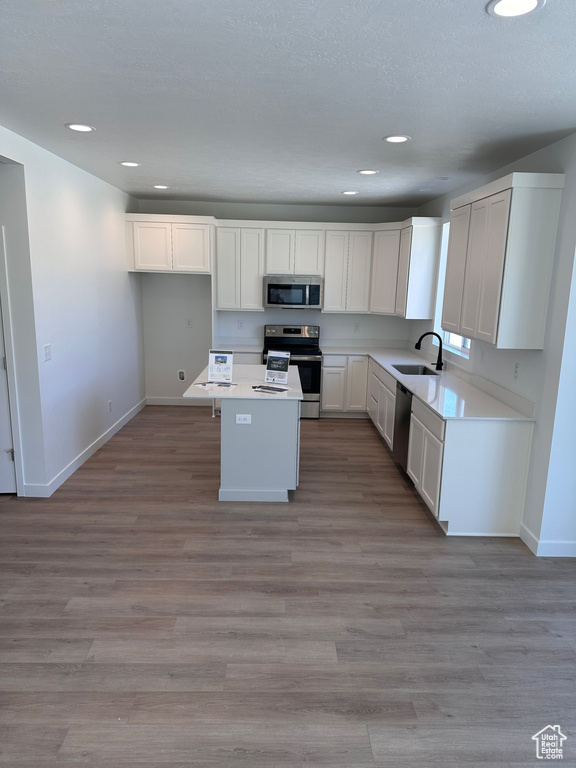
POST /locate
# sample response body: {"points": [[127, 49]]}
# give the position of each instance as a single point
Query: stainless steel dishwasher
{"points": [[402, 413]]}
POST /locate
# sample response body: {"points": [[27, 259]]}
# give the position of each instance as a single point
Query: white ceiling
{"points": [[284, 100]]}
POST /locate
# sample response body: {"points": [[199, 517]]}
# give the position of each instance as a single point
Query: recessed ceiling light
{"points": [[396, 139], [160, 186], [79, 127], [367, 173], [509, 8], [350, 193], [129, 164]]}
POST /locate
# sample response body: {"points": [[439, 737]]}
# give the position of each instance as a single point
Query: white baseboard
{"points": [[44, 491], [529, 538], [547, 548], [343, 415], [556, 549], [178, 401]]}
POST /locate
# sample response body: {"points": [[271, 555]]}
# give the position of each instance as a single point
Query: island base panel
{"points": [[244, 494], [260, 460]]}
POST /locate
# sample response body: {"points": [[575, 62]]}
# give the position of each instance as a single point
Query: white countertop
{"points": [[446, 394], [245, 377]]}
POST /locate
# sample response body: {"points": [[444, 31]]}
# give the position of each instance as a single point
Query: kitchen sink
{"points": [[415, 370]]}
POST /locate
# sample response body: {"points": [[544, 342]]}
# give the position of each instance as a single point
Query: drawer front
{"points": [[388, 380], [435, 424], [334, 361]]}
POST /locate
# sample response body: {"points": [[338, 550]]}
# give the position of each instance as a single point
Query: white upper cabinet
{"points": [[239, 268], [347, 271], [336, 270], [500, 257], [359, 267], [152, 246], [485, 266], [168, 244], [384, 272], [418, 268], [191, 248], [294, 252], [280, 250], [228, 267], [455, 265], [309, 252]]}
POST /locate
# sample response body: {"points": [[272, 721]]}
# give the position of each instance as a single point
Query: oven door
{"points": [[310, 370]]}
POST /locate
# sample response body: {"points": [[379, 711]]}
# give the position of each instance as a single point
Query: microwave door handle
{"points": [[307, 302]]}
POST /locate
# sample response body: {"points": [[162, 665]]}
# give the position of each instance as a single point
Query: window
{"points": [[456, 343]]}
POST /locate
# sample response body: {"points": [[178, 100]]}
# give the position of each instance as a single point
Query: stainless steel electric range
{"points": [[303, 343]]}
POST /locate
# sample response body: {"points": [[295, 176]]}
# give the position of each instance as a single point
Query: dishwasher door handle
{"points": [[403, 389]]}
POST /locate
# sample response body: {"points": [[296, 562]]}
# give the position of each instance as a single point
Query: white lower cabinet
{"points": [[425, 452], [344, 379], [386, 407], [356, 381], [382, 401], [471, 473], [333, 386]]}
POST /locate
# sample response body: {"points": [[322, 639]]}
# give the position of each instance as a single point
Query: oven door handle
{"points": [[305, 358]]}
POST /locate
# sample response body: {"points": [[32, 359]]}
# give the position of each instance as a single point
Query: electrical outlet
{"points": [[188, 323], [356, 327], [516, 369], [109, 406], [240, 324], [47, 352], [243, 418]]}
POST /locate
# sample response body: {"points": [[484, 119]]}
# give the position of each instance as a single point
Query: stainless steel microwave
{"points": [[293, 291]]}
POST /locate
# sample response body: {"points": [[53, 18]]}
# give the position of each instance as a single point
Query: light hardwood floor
{"points": [[144, 624]]}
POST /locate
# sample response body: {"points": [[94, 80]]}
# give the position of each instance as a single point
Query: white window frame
{"points": [[460, 345]]}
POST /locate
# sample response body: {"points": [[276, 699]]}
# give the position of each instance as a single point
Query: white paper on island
{"points": [[220, 365], [277, 367]]}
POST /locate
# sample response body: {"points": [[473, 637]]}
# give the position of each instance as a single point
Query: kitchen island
{"points": [[259, 435]]}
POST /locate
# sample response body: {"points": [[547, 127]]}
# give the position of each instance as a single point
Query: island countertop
{"points": [[245, 377]]}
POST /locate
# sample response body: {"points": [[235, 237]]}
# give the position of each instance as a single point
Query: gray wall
{"points": [[264, 212]]}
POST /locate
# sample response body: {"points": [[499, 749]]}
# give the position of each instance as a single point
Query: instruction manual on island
{"points": [[277, 367], [220, 365]]}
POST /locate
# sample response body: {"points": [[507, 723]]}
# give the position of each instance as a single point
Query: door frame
{"points": [[6, 318]]}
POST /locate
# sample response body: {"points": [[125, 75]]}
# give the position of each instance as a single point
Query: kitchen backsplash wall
{"points": [[347, 329]]}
